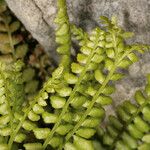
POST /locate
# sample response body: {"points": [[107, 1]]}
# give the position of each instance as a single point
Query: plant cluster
{"points": [[68, 111]]}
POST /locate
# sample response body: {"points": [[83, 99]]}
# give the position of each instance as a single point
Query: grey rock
{"points": [[32, 18], [38, 16], [133, 15]]}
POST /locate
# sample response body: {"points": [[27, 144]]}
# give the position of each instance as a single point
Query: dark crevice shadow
{"points": [[128, 24], [85, 15], [85, 19], [131, 26]]}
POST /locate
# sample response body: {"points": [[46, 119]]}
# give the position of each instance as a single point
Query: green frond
{"points": [[129, 129], [8, 39], [79, 34], [78, 97], [12, 44], [18, 82], [11, 95], [63, 35]]}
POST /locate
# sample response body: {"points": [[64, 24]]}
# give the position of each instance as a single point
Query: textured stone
{"points": [[38, 16], [133, 15]]}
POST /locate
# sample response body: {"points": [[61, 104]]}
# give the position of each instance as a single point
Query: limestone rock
{"points": [[38, 16]]}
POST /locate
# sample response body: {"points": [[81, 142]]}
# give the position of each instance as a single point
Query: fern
{"points": [[12, 45], [15, 44], [79, 35], [130, 128], [18, 82], [79, 92], [11, 97], [67, 111]]}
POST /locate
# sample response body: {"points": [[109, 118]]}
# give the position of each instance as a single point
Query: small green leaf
{"points": [[21, 51], [56, 141], [38, 109], [28, 74], [123, 115], [86, 132], [33, 146], [14, 26], [64, 129], [109, 64], [129, 107], [78, 101], [146, 113], [110, 53], [28, 125], [129, 140], [64, 91], [104, 100], [146, 138], [144, 146], [91, 122], [134, 132], [82, 58], [115, 122], [83, 144], [99, 76], [107, 139], [125, 63], [64, 29], [49, 117], [33, 117], [5, 131], [97, 112], [58, 72], [70, 78], [86, 50], [69, 146], [20, 137], [127, 35], [41, 133], [57, 102], [117, 76], [63, 49], [76, 68], [141, 124], [3, 146], [139, 97], [64, 39], [133, 57]]}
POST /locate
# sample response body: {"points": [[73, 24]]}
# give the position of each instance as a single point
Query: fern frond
{"points": [[11, 96], [130, 128], [79, 34], [12, 42], [16, 79], [77, 97], [119, 56], [15, 43], [63, 35], [8, 36]]}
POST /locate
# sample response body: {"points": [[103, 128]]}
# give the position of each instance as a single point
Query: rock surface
{"points": [[133, 15]]}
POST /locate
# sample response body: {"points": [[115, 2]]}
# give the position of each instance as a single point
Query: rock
{"points": [[133, 15], [38, 16], [32, 17]]}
